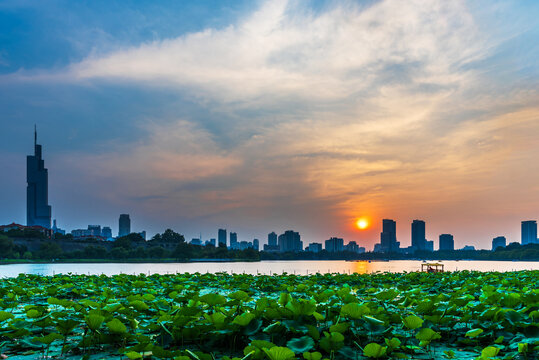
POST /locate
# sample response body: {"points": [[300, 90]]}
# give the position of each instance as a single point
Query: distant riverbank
{"points": [[297, 267]]}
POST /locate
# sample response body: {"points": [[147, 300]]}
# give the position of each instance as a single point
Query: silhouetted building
{"points": [[106, 232], [81, 233], [468, 248], [499, 241], [271, 248], [38, 211], [256, 244], [233, 240], [429, 245], [388, 237], [314, 247], [124, 225], [419, 240], [529, 232], [334, 244], [221, 237], [210, 242], [446, 242], [272, 239], [352, 246], [143, 234], [195, 241], [290, 241], [56, 229], [95, 230]]}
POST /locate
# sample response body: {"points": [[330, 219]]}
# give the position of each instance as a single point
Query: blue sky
{"points": [[264, 116]]}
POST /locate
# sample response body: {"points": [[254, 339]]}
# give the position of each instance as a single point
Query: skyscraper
{"points": [[38, 211], [233, 240], [529, 232], [334, 244], [388, 236], [499, 241], [446, 242], [221, 237], [418, 235], [124, 225], [272, 239], [290, 241]]}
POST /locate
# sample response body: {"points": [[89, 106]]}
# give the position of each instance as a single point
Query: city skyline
{"points": [[276, 115]]}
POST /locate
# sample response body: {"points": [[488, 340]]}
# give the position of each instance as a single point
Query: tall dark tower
{"points": [[38, 211]]}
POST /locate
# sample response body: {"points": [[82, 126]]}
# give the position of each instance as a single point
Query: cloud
{"points": [[394, 109], [282, 51]]}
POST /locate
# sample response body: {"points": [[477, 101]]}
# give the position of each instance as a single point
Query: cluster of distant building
{"points": [[105, 232], [39, 218], [389, 243]]}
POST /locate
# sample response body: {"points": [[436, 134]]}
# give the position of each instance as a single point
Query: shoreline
{"points": [[176, 261]]}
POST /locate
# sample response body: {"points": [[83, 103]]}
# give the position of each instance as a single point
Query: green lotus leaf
{"points": [[279, 353], [94, 321], [48, 339], [374, 350], [239, 295], [33, 314], [332, 341], [412, 322], [312, 355], [4, 315], [354, 310], [300, 345], [489, 352], [117, 327], [213, 299], [301, 307], [340, 327], [393, 343], [244, 319], [427, 334], [473, 333], [65, 327], [373, 320], [139, 305], [133, 355]]}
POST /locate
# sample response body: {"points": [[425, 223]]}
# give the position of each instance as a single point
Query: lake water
{"points": [[263, 267]]}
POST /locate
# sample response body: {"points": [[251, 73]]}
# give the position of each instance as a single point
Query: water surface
{"points": [[262, 267]]}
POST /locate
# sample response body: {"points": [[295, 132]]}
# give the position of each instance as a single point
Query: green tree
{"points": [[6, 246], [49, 251]]}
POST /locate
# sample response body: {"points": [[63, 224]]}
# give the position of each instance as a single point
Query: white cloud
{"points": [[278, 53]]}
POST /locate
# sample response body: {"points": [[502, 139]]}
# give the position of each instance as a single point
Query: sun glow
{"points": [[362, 223]]}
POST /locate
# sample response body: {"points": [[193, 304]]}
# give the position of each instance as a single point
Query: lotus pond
{"points": [[219, 316]]}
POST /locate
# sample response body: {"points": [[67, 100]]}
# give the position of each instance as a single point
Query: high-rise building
{"points": [[106, 232], [388, 236], [124, 225], [419, 239], [290, 241], [272, 239], [256, 244], [38, 211], [529, 232], [95, 230], [499, 241], [221, 237], [334, 244], [314, 247], [233, 240], [446, 242]]}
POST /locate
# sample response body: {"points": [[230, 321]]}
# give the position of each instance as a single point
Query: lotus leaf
{"points": [[279, 353], [374, 350], [300, 345]]}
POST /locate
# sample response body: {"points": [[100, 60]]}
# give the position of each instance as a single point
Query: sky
{"points": [[260, 116]]}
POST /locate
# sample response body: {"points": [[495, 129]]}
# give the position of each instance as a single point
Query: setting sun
{"points": [[362, 223]]}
